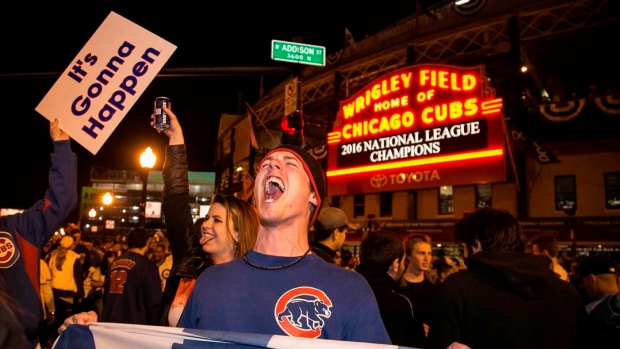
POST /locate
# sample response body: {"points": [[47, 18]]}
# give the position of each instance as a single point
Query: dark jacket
{"points": [[186, 261], [11, 332], [323, 251], [422, 295], [605, 321], [508, 300], [22, 235], [395, 308]]}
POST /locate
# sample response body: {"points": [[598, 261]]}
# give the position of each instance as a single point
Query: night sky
{"points": [[46, 38]]}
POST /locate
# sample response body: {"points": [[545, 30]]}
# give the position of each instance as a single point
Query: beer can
{"points": [[162, 120]]}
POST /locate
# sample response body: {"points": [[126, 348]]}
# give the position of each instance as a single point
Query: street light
{"points": [[106, 212], [107, 199], [91, 224], [147, 161]]}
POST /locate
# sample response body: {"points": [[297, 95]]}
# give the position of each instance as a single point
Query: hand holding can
{"points": [[162, 120]]}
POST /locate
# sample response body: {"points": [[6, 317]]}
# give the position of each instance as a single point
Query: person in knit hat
{"points": [[280, 287]]}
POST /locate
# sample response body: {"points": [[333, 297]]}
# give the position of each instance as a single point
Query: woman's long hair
{"points": [[244, 218], [194, 258]]}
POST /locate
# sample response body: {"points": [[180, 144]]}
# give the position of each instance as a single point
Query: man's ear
{"points": [[477, 246], [313, 200], [393, 269], [395, 266]]}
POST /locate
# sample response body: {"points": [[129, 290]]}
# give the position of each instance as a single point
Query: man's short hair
{"points": [[547, 243], [413, 240], [321, 234], [379, 250], [138, 238], [495, 229]]}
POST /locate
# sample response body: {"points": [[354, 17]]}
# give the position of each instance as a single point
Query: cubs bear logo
{"points": [[8, 251], [301, 312]]}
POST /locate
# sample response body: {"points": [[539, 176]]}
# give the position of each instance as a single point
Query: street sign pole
{"points": [[293, 121], [295, 52]]}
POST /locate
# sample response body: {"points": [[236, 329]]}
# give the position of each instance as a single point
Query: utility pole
{"points": [[293, 122]]}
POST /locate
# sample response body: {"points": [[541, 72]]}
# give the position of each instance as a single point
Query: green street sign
{"points": [[297, 53]]}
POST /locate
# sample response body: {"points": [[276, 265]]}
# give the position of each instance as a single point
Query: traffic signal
{"points": [[293, 129]]}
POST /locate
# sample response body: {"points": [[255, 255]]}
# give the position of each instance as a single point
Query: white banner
{"points": [[126, 336]]}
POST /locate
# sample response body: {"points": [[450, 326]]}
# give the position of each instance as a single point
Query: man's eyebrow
{"points": [[284, 157], [290, 157]]}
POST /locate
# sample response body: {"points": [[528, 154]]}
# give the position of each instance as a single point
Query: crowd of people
{"points": [[73, 274], [278, 266]]}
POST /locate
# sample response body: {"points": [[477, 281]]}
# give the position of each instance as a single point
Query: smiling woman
{"points": [[227, 231]]}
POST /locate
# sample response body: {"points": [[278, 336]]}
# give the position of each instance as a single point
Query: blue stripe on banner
{"points": [[251, 340], [192, 344], [75, 336]]}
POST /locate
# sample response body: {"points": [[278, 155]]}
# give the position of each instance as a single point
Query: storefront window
{"points": [[565, 193], [335, 201], [359, 205], [412, 212], [612, 190], [385, 204], [446, 200], [483, 195]]}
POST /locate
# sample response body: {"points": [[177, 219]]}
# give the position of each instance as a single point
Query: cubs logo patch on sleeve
{"points": [[9, 253]]}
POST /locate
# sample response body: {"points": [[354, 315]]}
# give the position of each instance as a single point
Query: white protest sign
{"points": [[104, 81]]}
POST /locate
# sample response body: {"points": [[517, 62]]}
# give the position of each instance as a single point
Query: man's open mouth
{"points": [[273, 188]]}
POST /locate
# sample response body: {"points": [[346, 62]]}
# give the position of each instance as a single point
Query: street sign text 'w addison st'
{"points": [[297, 53]]}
